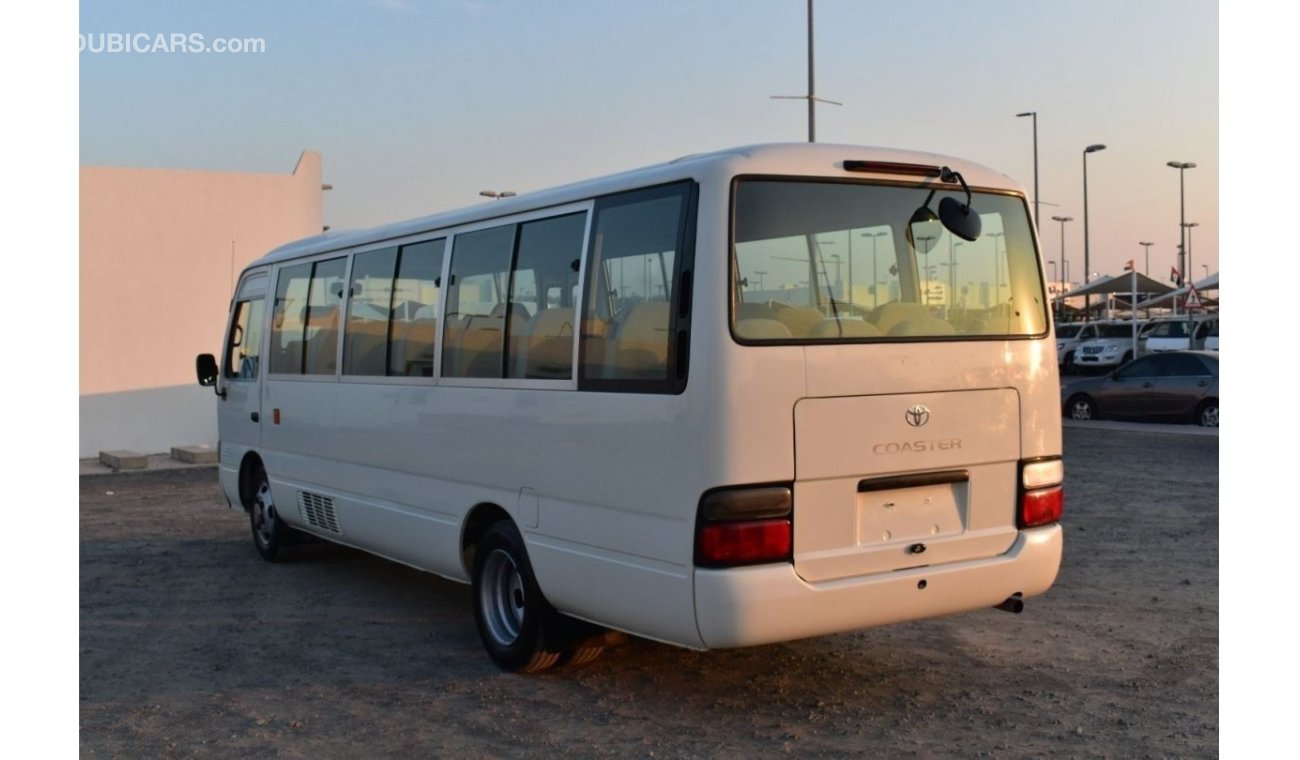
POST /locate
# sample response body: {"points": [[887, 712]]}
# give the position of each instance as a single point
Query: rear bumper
{"points": [[769, 603]]}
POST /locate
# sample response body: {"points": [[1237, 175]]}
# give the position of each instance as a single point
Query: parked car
{"points": [[1171, 386], [1107, 345], [1212, 340], [1172, 334], [1067, 341]]}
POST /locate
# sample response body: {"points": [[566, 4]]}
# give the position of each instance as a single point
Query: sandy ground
{"points": [[193, 646]]}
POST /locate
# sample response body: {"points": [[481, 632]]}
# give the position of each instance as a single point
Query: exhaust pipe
{"points": [[1013, 603]]}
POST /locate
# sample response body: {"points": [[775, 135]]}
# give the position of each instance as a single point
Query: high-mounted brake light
{"points": [[745, 526], [1042, 495], [892, 167]]}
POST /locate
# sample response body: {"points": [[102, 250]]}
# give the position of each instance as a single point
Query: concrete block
{"points": [[195, 454], [123, 460]]}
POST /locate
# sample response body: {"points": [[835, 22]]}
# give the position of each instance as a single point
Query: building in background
{"points": [[160, 251]]}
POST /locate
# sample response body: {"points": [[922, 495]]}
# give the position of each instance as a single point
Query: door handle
{"points": [[256, 417]]}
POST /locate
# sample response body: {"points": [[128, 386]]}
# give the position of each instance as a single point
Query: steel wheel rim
{"points": [[501, 598], [1081, 410], [263, 516], [1210, 416]]}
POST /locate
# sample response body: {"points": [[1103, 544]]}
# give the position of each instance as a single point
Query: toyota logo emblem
{"points": [[918, 415]]}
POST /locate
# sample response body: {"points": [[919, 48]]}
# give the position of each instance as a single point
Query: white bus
{"points": [[744, 397]]}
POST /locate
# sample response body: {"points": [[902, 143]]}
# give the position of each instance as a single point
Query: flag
{"points": [[1129, 266], [1174, 276]]}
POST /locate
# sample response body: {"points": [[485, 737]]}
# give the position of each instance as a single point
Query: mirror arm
{"points": [[948, 175]]}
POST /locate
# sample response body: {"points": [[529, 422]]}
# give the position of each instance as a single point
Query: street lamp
{"points": [[1035, 115], [1182, 167], [1147, 246], [1087, 300], [997, 268], [812, 99], [497, 195], [1064, 264], [875, 278], [1188, 226]]}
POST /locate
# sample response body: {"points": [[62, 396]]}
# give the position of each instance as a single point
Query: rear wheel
{"points": [[511, 614], [1082, 408], [1208, 414]]}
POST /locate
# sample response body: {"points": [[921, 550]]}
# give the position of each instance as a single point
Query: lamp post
{"points": [[1147, 269], [875, 274], [997, 269], [810, 97], [1064, 264], [497, 195], [1034, 114], [1188, 226], [1182, 167], [1087, 264]]}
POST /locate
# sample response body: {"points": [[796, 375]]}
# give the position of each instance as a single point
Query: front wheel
{"points": [[511, 614], [269, 533], [1208, 414], [1082, 408]]}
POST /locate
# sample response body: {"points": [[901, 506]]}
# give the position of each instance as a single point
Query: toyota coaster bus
{"points": [[743, 397]]}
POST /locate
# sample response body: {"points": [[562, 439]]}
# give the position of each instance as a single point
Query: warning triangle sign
{"points": [[1193, 299]]}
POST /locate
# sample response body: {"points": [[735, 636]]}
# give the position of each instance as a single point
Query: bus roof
{"points": [[785, 159]]}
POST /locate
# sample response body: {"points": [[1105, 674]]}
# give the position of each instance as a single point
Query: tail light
{"points": [[1042, 495], [744, 526]]}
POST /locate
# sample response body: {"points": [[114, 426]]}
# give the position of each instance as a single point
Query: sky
{"points": [[417, 105]]}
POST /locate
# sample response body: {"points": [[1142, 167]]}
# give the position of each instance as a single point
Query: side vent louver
{"points": [[318, 511]]}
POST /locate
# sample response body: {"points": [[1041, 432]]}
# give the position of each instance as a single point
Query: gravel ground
{"points": [[192, 646]]}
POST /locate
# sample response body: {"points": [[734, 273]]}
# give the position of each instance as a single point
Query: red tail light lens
{"points": [[1041, 507], [745, 525], [739, 543]]}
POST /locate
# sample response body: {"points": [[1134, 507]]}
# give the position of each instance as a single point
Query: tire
{"points": [[269, 533], [1207, 414], [512, 616], [1081, 408]]}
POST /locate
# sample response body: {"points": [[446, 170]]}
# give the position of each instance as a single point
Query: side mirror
{"points": [[206, 368], [959, 218]]}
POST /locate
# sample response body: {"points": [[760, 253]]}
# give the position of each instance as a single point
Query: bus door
{"points": [[239, 413]]}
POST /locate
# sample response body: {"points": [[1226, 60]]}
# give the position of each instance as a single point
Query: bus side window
{"points": [[245, 341], [370, 303], [542, 346], [633, 313], [415, 309]]}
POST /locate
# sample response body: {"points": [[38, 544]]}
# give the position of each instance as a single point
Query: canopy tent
{"points": [[1209, 283], [1119, 284], [1126, 283]]}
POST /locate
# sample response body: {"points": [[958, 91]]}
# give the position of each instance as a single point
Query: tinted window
{"points": [[415, 308], [1147, 366], [817, 260], [365, 341], [305, 318], [478, 316], [542, 285], [1183, 365], [634, 318]]}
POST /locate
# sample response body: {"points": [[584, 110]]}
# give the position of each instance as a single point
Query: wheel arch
{"points": [[248, 467], [481, 517]]}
